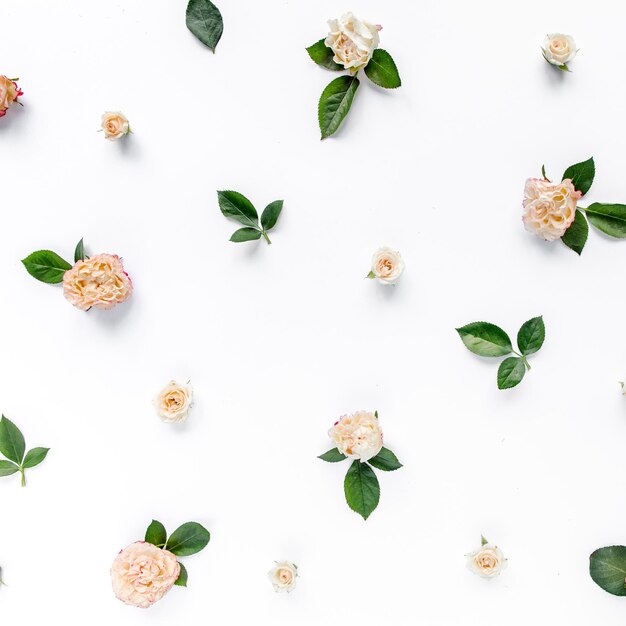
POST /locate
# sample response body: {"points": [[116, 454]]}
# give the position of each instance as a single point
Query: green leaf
{"points": [[12, 443], [7, 468], [156, 534], [205, 21], [335, 103], [531, 336], [321, 54], [332, 456], [34, 457], [607, 567], [271, 213], [575, 236], [609, 218], [188, 539], [245, 234], [238, 207], [361, 488], [581, 175], [382, 70], [79, 252], [485, 339], [385, 460], [181, 581], [511, 372], [46, 266]]}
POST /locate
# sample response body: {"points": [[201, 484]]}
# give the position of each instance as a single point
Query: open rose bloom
{"points": [[9, 93], [352, 41], [487, 562], [115, 125], [549, 208], [358, 436], [142, 574], [283, 576], [559, 50], [173, 402], [387, 266]]}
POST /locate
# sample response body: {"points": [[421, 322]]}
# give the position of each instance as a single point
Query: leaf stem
{"points": [[23, 477], [266, 237], [524, 359]]}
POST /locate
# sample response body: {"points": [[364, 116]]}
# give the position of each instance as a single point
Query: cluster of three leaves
{"points": [[236, 206], [186, 540], [13, 446], [48, 266], [490, 340]]}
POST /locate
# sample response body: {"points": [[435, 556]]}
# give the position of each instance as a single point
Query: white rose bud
{"points": [[488, 561], [173, 402], [115, 125], [352, 41], [283, 576], [559, 50], [387, 266], [358, 436]]}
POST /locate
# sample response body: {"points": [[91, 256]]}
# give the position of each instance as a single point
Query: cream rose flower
{"points": [[559, 49], [358, 436], [142, 574], [549, 208], [352, 41], [387, 266], [488, 561], [283, 576], [173, 402], [115, 125], [99, 281], [9, 93]]}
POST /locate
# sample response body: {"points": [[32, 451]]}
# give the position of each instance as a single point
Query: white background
{"points": [[280, 340]]}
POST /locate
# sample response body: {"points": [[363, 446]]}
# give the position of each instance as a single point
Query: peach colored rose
{"points": [[488, 561], [358, 436], [352, 41], [559, 49], [9, 93], [142, 574], [283, 576], [549, 208], [114, 125], [99, 281], [387, 266], [173, 402]]}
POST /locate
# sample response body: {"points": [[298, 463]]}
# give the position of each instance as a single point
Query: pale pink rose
{"points": [[352, 41], [358, 436], [488, 561], [9, 93], [549, 208], [283, 576], [114, 125], [99, 281], [173, 402], [142, 574], [559, 49]]}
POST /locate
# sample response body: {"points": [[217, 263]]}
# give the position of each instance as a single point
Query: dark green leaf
{"points": [[323, 55], [181, 581], [361, 488], [245, 234], [188, 539], [238, 207], [46, 266], [204, 20], [607, 567], [531, 335], [270, 214], [7, 468], [335, 103], [156, 534], [575, 236], [79, 252], [485, 339], [382, 70], [34, 457], [332, 456], [581, 175], [385, 460], [511, 372], [609, 218], [12, 443]]}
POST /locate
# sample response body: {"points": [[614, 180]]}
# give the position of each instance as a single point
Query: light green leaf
{"points": [[385, 460], [332, 456], [7, 468], [12, 443], [156, 534], [511, 372], [238, 207], [34, 457], [181, 581], [205, 21], [270, 214], [485, 339], [188, 539], [575, 236], [321, 54], [335, 103], [607, 567], [609, 218], [361, 488], [531, 336], [382, 70], [581, 175], [46, 266], [245, 234]]}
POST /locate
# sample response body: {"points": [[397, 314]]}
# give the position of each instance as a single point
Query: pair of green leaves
{"points": [[607, 218], [337, 98], [239, 208], [13, 446], [48, 266], [186, 540], [490, 340], [204, 20], [607, 567]]}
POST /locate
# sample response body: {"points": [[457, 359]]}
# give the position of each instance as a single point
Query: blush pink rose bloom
{"points": [[99, 281], [549, 208], [358, 436], [9, 93], [142, 574]]}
